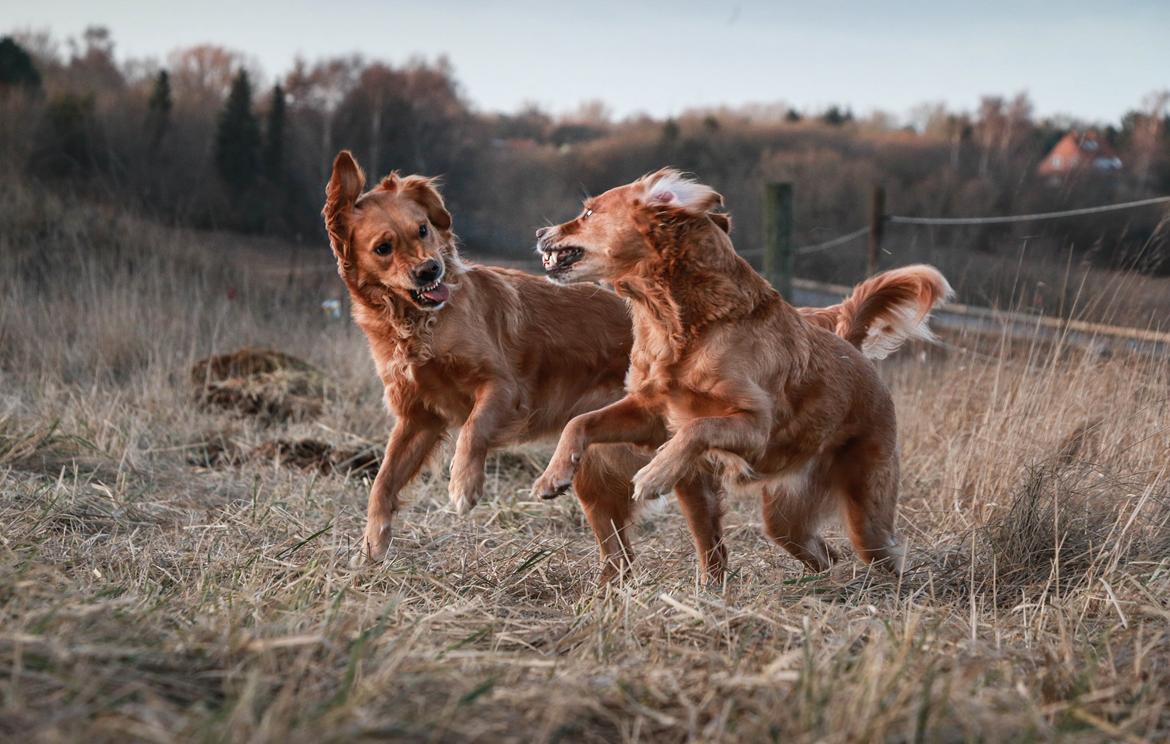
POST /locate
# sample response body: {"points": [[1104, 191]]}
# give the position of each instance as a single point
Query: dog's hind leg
{"points": [[699, 499], [866, 478], [792, 514], [602, 484]]}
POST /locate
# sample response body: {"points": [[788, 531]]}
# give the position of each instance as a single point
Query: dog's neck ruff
{"points": [[384, 315], [694, 280]]}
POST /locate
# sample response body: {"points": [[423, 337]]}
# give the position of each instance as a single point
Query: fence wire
{"points": [[900, 220], [805, 250], [903, 220]]}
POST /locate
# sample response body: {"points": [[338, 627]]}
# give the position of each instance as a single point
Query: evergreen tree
{"points": [[16, 67], [274, 137], [237, 140], [835, 117], [670, 132], [158, 112], [65, 144]]}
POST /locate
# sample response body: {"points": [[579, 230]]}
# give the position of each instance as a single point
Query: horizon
{"points": [[889, 60]]}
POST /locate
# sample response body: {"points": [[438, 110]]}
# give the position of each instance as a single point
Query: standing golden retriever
{"points": [[483, 349], [724, 371], [506, 356]]}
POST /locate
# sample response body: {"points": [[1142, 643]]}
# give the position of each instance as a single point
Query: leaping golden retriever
{"points": [[725, 373], [486, 349]]}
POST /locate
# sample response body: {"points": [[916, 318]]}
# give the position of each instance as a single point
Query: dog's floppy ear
{"points": [[345, 186], [722, 220], [424, 191], [670, 188]]}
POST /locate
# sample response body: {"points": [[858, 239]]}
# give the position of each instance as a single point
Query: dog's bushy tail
{"points": [[886, 310]]}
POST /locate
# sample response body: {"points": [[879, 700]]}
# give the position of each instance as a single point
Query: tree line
{"points": [[199, 140]]}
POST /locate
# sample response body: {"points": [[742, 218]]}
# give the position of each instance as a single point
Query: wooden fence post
{"points": [[877, 224], [778, 237]]}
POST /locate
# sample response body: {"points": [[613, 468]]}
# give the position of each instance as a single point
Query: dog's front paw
{"points": [[465, 493], [464, 501], [550, 486], [656, 478], [375, 542], [557, 478]]}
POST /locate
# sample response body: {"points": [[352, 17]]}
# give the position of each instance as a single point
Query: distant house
{"points": [[1080, 153]]}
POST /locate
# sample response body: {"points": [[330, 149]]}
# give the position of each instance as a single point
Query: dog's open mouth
{"points": [[557, 260], [431, 295]]}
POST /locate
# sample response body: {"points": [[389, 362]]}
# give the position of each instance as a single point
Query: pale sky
{"points": [[1093, 60]]}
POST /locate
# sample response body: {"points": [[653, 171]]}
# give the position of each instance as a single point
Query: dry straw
{"points": [[145, 597]]}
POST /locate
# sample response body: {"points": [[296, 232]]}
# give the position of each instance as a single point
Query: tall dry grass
{"points": [[145, 597]]}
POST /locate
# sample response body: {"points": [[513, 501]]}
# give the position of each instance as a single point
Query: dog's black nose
{"points": [[427, 272], [541, 232]]}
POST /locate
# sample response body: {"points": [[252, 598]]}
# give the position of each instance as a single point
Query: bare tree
{"points": [[202, 75], [1147, 135], [91, 65], [321, 89], [989, 129]]}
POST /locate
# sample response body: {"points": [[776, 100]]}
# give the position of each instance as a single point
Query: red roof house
{"points": [[1078, 153]]}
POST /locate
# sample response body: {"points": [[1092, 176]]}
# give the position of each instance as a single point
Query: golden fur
{"points": [[494, 358], [725, 374]]}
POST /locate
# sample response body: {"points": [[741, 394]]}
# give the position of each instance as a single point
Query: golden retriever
{"points": [[486, 349], [725, 373]]}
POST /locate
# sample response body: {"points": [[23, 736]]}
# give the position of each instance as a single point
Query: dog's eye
{"points": [[383, 249], [422, 230], [588, 212]]}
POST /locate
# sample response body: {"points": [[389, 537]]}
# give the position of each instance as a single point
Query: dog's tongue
{"points": [[438, 294]]}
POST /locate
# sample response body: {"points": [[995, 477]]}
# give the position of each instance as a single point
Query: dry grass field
{"points": [[151, 589]]}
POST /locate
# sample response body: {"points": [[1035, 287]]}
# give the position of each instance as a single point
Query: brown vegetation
{"points": [[143, 597], [102, 127]]}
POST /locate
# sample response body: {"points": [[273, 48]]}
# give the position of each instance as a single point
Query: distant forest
{"points": [[205, 139]]}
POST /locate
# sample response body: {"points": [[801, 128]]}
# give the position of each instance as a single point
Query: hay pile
{"points": [[313, 454], [268, 385]]}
